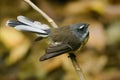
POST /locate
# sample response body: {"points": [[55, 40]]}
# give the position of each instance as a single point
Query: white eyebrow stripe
{"points": [[81, 27]]}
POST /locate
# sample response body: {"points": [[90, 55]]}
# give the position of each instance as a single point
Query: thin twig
{"points": [[50, 20], [76, 66]]}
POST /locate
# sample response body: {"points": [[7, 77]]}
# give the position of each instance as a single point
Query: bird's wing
{"points": [[55, 50]]}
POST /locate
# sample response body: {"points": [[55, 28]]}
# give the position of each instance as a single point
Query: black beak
{"points": [[87, 25]]}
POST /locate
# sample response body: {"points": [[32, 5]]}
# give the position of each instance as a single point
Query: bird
{"points": [[64, 39]]}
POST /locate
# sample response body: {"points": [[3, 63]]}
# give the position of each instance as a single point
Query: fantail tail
{"points": [[25, 24]]}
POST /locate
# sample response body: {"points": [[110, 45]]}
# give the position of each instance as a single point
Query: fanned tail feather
{"points": [[25, 24]]}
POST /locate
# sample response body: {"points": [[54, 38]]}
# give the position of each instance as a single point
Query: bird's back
{"points": [[65, 35]]}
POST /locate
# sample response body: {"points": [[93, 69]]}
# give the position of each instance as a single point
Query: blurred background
{"points": [[99, 59]]}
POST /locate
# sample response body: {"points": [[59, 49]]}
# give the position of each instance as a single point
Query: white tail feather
{"points": [[25, 24], [28, 28], [31, 23], [41, 26]]}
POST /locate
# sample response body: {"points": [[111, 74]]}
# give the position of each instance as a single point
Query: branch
{"points": [[76, 66], [50, 20]]}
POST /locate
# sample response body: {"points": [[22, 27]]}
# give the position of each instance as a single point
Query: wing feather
{"points": [[55, 50]]}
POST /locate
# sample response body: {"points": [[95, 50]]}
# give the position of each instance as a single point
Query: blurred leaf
{"points": [[113, 33]]}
